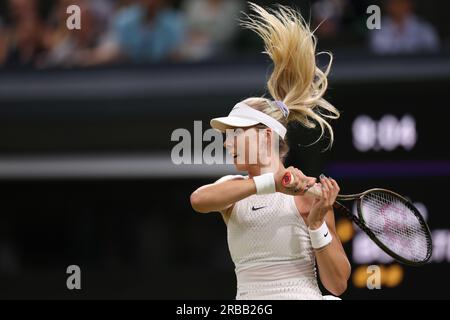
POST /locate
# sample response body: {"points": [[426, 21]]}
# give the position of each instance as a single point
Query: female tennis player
{"points": [[277, 234]]}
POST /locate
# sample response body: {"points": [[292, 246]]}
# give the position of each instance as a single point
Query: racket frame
{"points": [[359, 221], [288, 178]]}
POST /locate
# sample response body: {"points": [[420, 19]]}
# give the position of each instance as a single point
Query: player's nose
{"points": [[228, 143]]}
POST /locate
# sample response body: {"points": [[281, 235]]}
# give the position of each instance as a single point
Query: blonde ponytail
{"points": [[295, 80]]}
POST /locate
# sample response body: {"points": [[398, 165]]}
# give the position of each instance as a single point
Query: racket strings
{"points": [[396, 225]]}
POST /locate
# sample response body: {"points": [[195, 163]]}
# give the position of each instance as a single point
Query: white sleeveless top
{"points": [[271, 249]]}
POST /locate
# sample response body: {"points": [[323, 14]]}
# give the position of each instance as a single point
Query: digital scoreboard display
{"points": [[395, 137]]}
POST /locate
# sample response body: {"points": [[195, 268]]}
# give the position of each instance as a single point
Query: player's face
{"points": [[248, 147]]}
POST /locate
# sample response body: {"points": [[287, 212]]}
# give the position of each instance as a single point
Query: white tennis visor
{"points": [[243, 116]]}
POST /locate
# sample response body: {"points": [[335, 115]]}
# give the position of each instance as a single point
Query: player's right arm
{"points": [[222, 195], [225, 192]]}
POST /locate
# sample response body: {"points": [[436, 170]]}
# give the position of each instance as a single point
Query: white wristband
{"points": [[265, 183], [320, 237]]}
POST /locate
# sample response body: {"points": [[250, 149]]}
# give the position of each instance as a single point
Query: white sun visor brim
{"points": [[232, 122], [243, 116]]}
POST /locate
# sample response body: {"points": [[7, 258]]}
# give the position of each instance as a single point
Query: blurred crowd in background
{"points": [[33, 33]]}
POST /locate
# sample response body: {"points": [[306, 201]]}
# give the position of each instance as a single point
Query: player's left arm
{"points": [[334, 267]]}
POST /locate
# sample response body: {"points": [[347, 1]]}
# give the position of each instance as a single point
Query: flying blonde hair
{"points": [[295, 80]]}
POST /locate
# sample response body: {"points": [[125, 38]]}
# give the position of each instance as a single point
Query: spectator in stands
{"points": [[3, 44], [63, 44], [327, 16], [211, 26], [402, 32], [146, 31], [21, 42]]}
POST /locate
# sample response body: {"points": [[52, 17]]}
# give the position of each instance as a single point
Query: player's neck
{"points": [[256, 170]]}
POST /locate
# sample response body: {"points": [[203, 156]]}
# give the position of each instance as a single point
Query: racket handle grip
{"points": [[288, 181]]}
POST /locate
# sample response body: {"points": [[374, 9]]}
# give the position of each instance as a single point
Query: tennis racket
{"points": [[390, 220]]}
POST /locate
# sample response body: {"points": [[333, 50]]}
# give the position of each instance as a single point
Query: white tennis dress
{"points": [[271, 249]]}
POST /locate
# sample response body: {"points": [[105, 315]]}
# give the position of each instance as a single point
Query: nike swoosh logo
{"points": [[257, 208], [325, 235]]}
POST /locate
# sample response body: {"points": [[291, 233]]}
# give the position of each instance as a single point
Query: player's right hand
{"points": [[299, 182]]}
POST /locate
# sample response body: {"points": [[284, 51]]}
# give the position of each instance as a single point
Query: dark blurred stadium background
{"points": [[86, 119]]}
